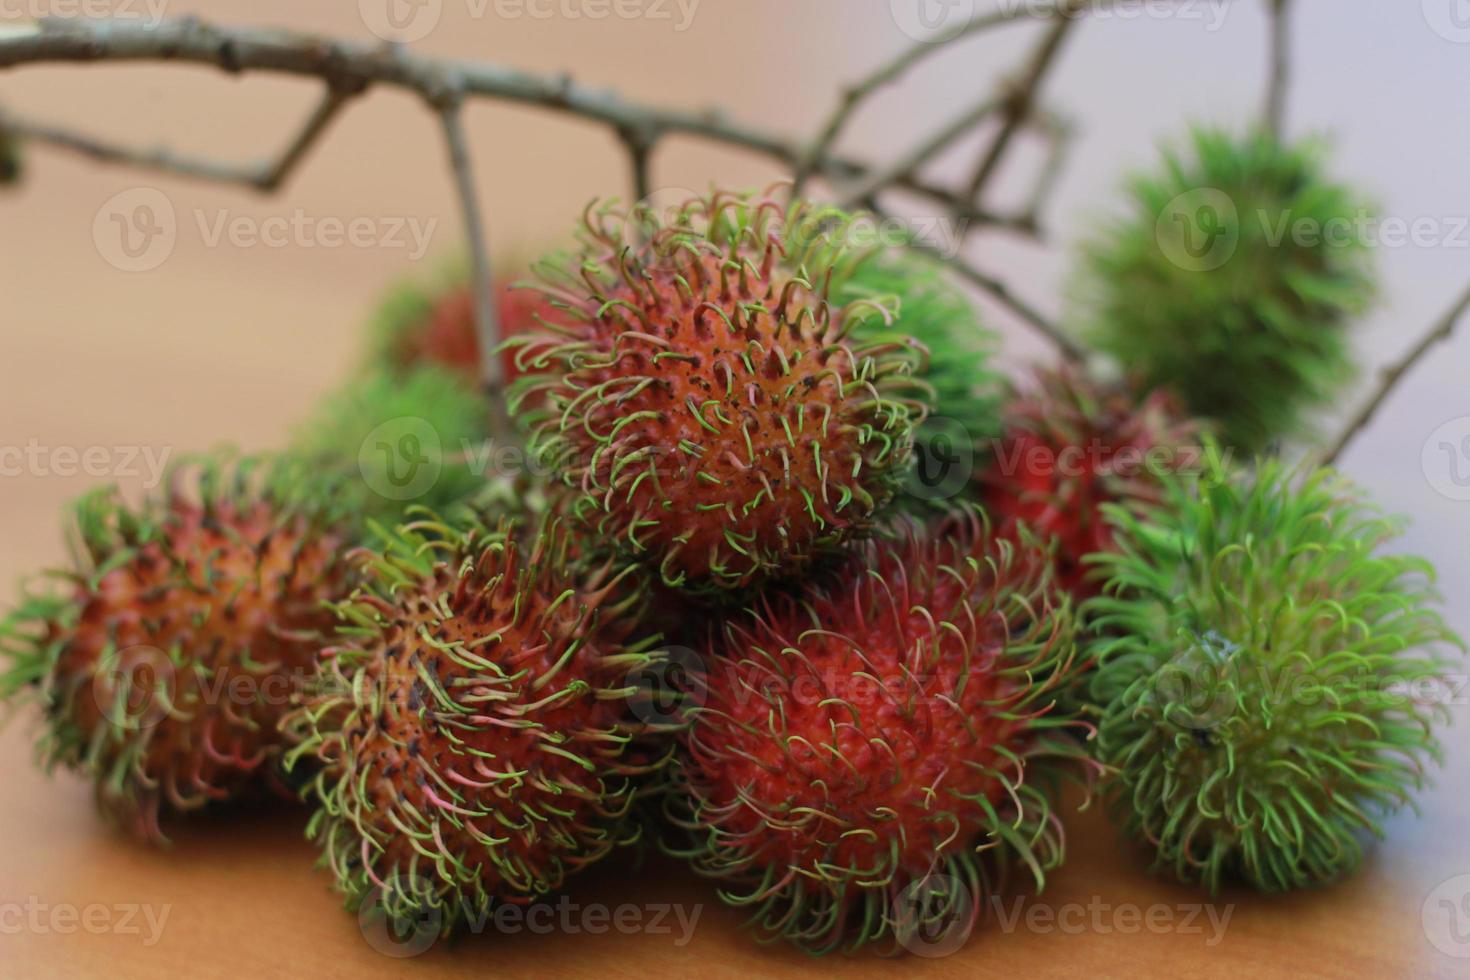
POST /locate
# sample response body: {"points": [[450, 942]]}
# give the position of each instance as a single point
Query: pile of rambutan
{"points": [[883, 690]]}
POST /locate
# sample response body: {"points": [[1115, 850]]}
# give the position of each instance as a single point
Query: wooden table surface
{"points": [[233, 343]]}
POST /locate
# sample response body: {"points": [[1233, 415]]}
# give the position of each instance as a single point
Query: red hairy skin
{"points": [[449, 337], [881, 728], [1071, 446], [477, 744], [166, 670], [702, 396]]}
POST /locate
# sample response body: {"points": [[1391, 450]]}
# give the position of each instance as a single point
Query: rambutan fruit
{"points": [[1234, 279], [892, 726], [702, 392], [165, 656], [1073, 444], [1264, 661], [476, 740], [395, 441], [435, 324]]}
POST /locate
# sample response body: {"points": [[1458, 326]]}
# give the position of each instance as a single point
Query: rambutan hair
{"points": [[1261, 654], [477, 739], [165, 655], [702, 394], [1073, 444], [892, 725]]}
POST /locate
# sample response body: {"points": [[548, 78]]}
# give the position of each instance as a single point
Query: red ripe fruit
{"points": [[478, 741], [703, 396], [177, 643], [441, 329], [1072, 446], [885, 730]]}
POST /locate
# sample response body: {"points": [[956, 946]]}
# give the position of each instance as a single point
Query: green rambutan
{"points": [[894, 726], [165, 656], [1073, 444], [417, 438], [703, 394], [928, 307], [1234, 281], [1261, 657], [476, 740]]}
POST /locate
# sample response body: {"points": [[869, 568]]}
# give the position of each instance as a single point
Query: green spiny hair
{"points": [[164, 654], [1211, 285], [398, 440], [707, 396], [476, 738], [966, 392], [1258, 644]]}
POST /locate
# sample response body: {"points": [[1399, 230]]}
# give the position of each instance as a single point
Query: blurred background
{"points": [[231, 339]]}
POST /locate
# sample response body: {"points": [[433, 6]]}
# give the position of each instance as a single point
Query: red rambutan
{"points": [[1070, 446], [702, 396], [177, 642], [478, 739], [881, 732]]}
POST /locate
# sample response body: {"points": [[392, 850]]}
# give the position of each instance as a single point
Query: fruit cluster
{"points": [[882, 690]]}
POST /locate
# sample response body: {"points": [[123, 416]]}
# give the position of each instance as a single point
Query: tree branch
{"points": [[1390, 376], [1022, 97], [879, 178], [1280, 67], [487, 324]]}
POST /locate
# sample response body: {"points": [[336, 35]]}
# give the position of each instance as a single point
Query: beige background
{"points": [[227, 343]]}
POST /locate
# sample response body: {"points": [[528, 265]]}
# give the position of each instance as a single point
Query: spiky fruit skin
{"points": [[1259, 665], [703, 396], [477, 740], [897, 722], [434, 324], [929, 308], [1253, 334], [400, 440], [169, 652], [1072, 445]]}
